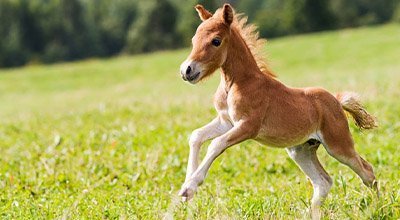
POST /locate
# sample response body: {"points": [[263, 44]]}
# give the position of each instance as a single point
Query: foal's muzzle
{"points": [[190, 71]]}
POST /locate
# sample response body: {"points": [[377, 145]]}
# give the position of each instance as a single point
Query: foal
{"points": [[252, 104]]}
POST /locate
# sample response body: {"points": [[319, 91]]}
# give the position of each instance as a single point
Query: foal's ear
{"points": [[203, 13], [227, 14]]}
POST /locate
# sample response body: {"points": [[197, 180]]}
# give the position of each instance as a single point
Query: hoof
{"points": [[187, 191]]}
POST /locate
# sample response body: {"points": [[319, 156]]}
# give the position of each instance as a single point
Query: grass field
{"points": [[108, 138]]}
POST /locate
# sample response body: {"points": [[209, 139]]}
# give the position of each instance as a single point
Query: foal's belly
{"points": [[280, 142], [284, 138]]}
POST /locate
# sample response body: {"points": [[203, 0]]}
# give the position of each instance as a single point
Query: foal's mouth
{"points": [[193, 78]]}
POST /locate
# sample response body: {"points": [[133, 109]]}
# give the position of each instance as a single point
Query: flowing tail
{"points": [[350, 103]]}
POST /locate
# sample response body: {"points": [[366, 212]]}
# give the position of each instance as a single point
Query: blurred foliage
{"points": [[294, 16], [155, 27], [55, 30]]}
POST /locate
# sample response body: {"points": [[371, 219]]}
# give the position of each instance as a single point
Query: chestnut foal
{"points": [[252, 104]]}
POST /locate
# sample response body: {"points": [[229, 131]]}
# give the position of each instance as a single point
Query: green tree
{"points": [[155, 27], [12, 49], [110, 22], [188, 20], [361, 12], [54, 30], [278, 18]]}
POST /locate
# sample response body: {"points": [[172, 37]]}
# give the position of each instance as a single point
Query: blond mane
{"points": [[250, 35]]}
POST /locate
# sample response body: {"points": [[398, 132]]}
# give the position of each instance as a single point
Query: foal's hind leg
{"points": [[339, 144], [306, 158]]}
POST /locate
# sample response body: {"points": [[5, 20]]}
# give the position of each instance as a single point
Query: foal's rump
{"points": [[333, 123], [332, 107]]}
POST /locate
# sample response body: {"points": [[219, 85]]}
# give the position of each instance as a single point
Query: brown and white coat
{"points": [[252, 104]]}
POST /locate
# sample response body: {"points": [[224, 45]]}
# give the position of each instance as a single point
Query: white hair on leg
{"points": [[306, 158], [213, 129]]}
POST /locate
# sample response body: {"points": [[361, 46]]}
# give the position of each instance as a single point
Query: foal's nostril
{"points": [[188, 70]]}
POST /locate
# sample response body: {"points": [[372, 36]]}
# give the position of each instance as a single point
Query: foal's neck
{"points": [[240, 64]]}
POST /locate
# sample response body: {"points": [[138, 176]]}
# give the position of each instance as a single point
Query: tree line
{"points": [[47, 31]]}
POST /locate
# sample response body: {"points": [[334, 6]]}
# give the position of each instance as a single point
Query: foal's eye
{"points": [[216, 42]]}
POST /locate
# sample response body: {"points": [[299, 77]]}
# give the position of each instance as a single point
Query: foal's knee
{"points": [[195, 139]]}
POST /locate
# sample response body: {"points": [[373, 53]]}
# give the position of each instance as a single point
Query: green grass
{"points": [[108, 138]]}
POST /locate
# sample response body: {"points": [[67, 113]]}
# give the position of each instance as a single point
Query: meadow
{"points": [[107, 138]]}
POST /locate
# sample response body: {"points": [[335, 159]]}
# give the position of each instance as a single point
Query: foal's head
{"points": [[210, 44]]}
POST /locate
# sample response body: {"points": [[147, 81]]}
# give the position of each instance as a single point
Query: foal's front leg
{"points": [[213, 129], [236, 135]]}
